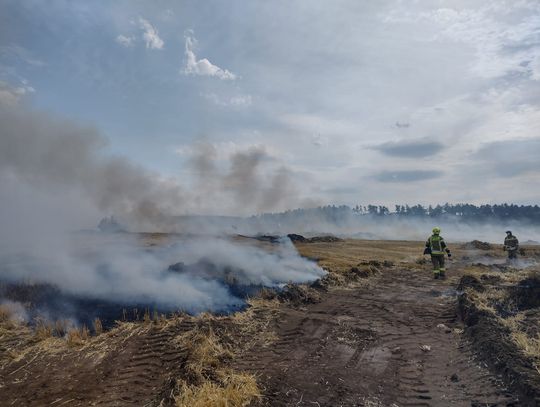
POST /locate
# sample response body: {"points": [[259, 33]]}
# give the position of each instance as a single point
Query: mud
{"points": [[134, 369], [395, 341]]}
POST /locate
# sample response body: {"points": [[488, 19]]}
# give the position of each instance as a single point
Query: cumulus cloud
{"points": [[125, 41], [203, 67], [150, 35]]}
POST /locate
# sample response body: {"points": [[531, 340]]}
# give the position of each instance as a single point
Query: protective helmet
{"points": [[436, 230], [508, 232]]}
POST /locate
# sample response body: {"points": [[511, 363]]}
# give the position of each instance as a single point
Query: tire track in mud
{"points": [[139, 371], [149, 362], [396, 342]]}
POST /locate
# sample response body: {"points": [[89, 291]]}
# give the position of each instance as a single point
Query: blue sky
{"points": [[382, 102]]}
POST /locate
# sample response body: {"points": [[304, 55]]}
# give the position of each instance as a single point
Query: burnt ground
{"points": [[369, 347]]}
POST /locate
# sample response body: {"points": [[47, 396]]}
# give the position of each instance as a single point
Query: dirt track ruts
{"points": [[135, 373], [363, 347]]}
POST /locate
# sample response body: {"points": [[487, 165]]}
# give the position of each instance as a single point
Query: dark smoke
{"points": [[64, 157]]}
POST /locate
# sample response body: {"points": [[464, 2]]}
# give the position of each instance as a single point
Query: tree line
{"points": [[460, 211]]}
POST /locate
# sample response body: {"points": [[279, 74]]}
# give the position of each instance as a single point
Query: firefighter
{"points": [[436, 247], [511, 245]]}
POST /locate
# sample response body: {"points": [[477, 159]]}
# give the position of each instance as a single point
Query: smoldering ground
{"points": [[56, 177], [116, 268]]}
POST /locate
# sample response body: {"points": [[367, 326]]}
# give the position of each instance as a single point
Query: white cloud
{"points": [[203, 67], [233, 101], [502, 44], [150, 35], [125, 41]]}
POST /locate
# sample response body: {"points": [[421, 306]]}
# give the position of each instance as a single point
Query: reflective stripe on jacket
{"points": [[437, 244]]}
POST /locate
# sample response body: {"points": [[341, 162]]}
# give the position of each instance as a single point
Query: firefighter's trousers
{"points": [[438, 264]]}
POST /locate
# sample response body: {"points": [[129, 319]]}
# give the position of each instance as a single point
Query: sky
{"points": [[329, 102]]}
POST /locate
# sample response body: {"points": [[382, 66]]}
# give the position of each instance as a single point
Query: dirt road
{"points": [[393, 342]]}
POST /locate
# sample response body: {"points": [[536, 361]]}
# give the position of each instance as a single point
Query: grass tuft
{"points": [[530, 346], [206, 352], [5, 313], [98, 326], [210, 383], [232, 390], [77, 336], [44, 329]]}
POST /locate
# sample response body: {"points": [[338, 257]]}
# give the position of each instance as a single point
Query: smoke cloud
{"points": [[254, 179], [118, 269], [56, 176], [62, 157]]}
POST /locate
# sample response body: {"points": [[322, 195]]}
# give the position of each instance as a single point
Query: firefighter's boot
{"points": [[442, 274], [436, 274]]}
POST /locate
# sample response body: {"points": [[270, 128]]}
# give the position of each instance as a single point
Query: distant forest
{"points": [[463, 212]]}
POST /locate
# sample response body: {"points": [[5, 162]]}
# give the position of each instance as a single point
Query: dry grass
{"points": [[146, 317], [77, 336], [98, 326], [5, 313], [514, 323], [254, 324], [528, 345], [43, 330], [61, 327], [210, 382], [497, 294], [339, 257], [205, 352], [486, 300], [507, 278], [231, 390]]}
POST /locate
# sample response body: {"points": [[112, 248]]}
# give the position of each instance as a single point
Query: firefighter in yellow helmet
{"points": [[436, 247]]}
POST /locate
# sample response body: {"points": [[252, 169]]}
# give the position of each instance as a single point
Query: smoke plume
{"points": [[56, 176]]}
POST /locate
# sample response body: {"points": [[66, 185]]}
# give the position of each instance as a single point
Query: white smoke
{"points": [[118, 268], [55, 177], [15, 310]]}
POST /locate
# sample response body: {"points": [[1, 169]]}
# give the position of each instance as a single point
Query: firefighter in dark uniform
{"points": [[511, 245], [436, 247]]}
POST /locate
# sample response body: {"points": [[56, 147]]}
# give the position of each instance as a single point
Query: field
{"points": [[377, 330]]}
